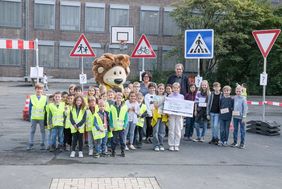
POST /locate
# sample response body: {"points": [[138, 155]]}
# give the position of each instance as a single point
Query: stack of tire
{"points": [[264, 128]]}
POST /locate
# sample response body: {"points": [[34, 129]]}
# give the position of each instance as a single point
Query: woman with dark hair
{"points": [[146, 79]]}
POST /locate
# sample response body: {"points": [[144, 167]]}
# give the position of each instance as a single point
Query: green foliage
{"points": [[237, 57]]}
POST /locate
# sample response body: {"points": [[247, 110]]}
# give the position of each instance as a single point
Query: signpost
{"points": [[265, 40], [82, 49], [199, 45], [143, 49]]}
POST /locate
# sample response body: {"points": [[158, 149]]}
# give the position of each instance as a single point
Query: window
{"points": [[65, 61], [168, 61], [46, 54], [98, 52], [95, 17], [169, 25], [149, 20], [70, 16], [10, 57], [11, 13], [44, 14], [119, 15]]}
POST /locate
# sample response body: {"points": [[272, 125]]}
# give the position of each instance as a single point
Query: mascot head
{"points": [[111, 70]]}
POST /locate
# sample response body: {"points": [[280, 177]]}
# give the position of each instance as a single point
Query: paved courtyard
{"points": [[196, 165]]}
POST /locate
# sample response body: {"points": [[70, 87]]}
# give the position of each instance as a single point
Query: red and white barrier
{"points": [[260, 103], [16, 44]]}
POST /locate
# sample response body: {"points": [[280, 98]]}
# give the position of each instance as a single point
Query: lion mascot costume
{"points": [[111, 70]]}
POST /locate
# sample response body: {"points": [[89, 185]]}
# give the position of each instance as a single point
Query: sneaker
{"points": [[72, 155], [220, 143], [42, 146], [113, 154], [156, 149], [122, 154], [29, 147], [97, 155], [242, 146], [234, 145], [162, 148], [126, 148], [196, 140], [202, 140], [52, 148], [171, 148], [189, 139], [176, 148], [216, 141], [105, 154], [131, 147], [225, 144], [61, 148], [90, 152], [80, 154], [212, 141]]}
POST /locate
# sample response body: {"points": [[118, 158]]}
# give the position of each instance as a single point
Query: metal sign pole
{"points": [[198, 67], [82, 71], [264, 90], [36, 59], [143, 64]]}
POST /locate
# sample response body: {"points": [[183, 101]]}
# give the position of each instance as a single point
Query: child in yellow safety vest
{"points": [[159, 119], [37, 107], [118, 123], [77, 119], [101, 130], [67, 130], [46, 120], [139, 133], [91, 111], [56, 121]]}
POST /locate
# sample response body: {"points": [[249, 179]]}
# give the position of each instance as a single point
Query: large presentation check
{"points": [[178, 107]]}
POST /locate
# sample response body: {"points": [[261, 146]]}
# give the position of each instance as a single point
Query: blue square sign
{"points": [[199, 44]]}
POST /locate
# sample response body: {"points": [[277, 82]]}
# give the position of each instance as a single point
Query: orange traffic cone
{"points": [[26, 109]]}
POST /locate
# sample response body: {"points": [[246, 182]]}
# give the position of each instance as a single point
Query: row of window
{"points": [[47, 57], [95, 16]]}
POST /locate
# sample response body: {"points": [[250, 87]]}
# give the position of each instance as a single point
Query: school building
{"points": [[58, 23]]}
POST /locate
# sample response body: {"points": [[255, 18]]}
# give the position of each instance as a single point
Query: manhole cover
{"points": [[106, 183]]}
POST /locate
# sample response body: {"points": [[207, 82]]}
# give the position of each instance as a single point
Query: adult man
{"points": [[180, 78]]}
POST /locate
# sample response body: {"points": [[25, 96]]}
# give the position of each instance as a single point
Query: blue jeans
{"points": [[101, 144], [129, 129], [224, 130], [214, 125], [236, 123], [33, 129], [198, 126], [189, 126], [90, 140], [159, 133], [58, 131]]}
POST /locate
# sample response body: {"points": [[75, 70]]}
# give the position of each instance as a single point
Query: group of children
{"points": [[103, 118]]}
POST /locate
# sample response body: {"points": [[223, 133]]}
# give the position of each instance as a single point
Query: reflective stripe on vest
{"points": [[118, 120], [57, 114], [141, 120], [77, 119], [37, 112], [98, 134]]}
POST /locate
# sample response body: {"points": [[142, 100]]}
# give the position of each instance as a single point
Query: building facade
{"points": [[58, 23]]}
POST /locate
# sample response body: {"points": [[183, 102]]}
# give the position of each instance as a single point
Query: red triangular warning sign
{"points": [[143, 49], [265, 40], [82, 48]]}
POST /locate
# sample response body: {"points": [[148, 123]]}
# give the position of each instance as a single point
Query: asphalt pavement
{"points": [[196, 165]]}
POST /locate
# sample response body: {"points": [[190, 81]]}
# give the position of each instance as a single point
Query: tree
{"points": [[237, 57]]}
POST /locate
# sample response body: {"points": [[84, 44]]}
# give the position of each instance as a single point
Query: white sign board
{"points": [[33, 72], [178, 107], [198, 81], [263, 79], [82, 78]]}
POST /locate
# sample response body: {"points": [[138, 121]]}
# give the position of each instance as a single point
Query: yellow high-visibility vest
{"points": [[57, 114], [38, 111], [90, 118], [141, 120], [77, 119], [118, 120]]}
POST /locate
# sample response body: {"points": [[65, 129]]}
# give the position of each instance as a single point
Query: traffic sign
{"points": [[198, 81], [265, 39], [82, 78], [263, 79], [143, 49], [82, 48], [199, 44]]}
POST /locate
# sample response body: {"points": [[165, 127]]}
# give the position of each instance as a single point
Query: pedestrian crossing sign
{"points": [[199, 44]]}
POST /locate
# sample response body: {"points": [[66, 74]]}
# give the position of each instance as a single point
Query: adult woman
{"points": [[146, 79]]}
